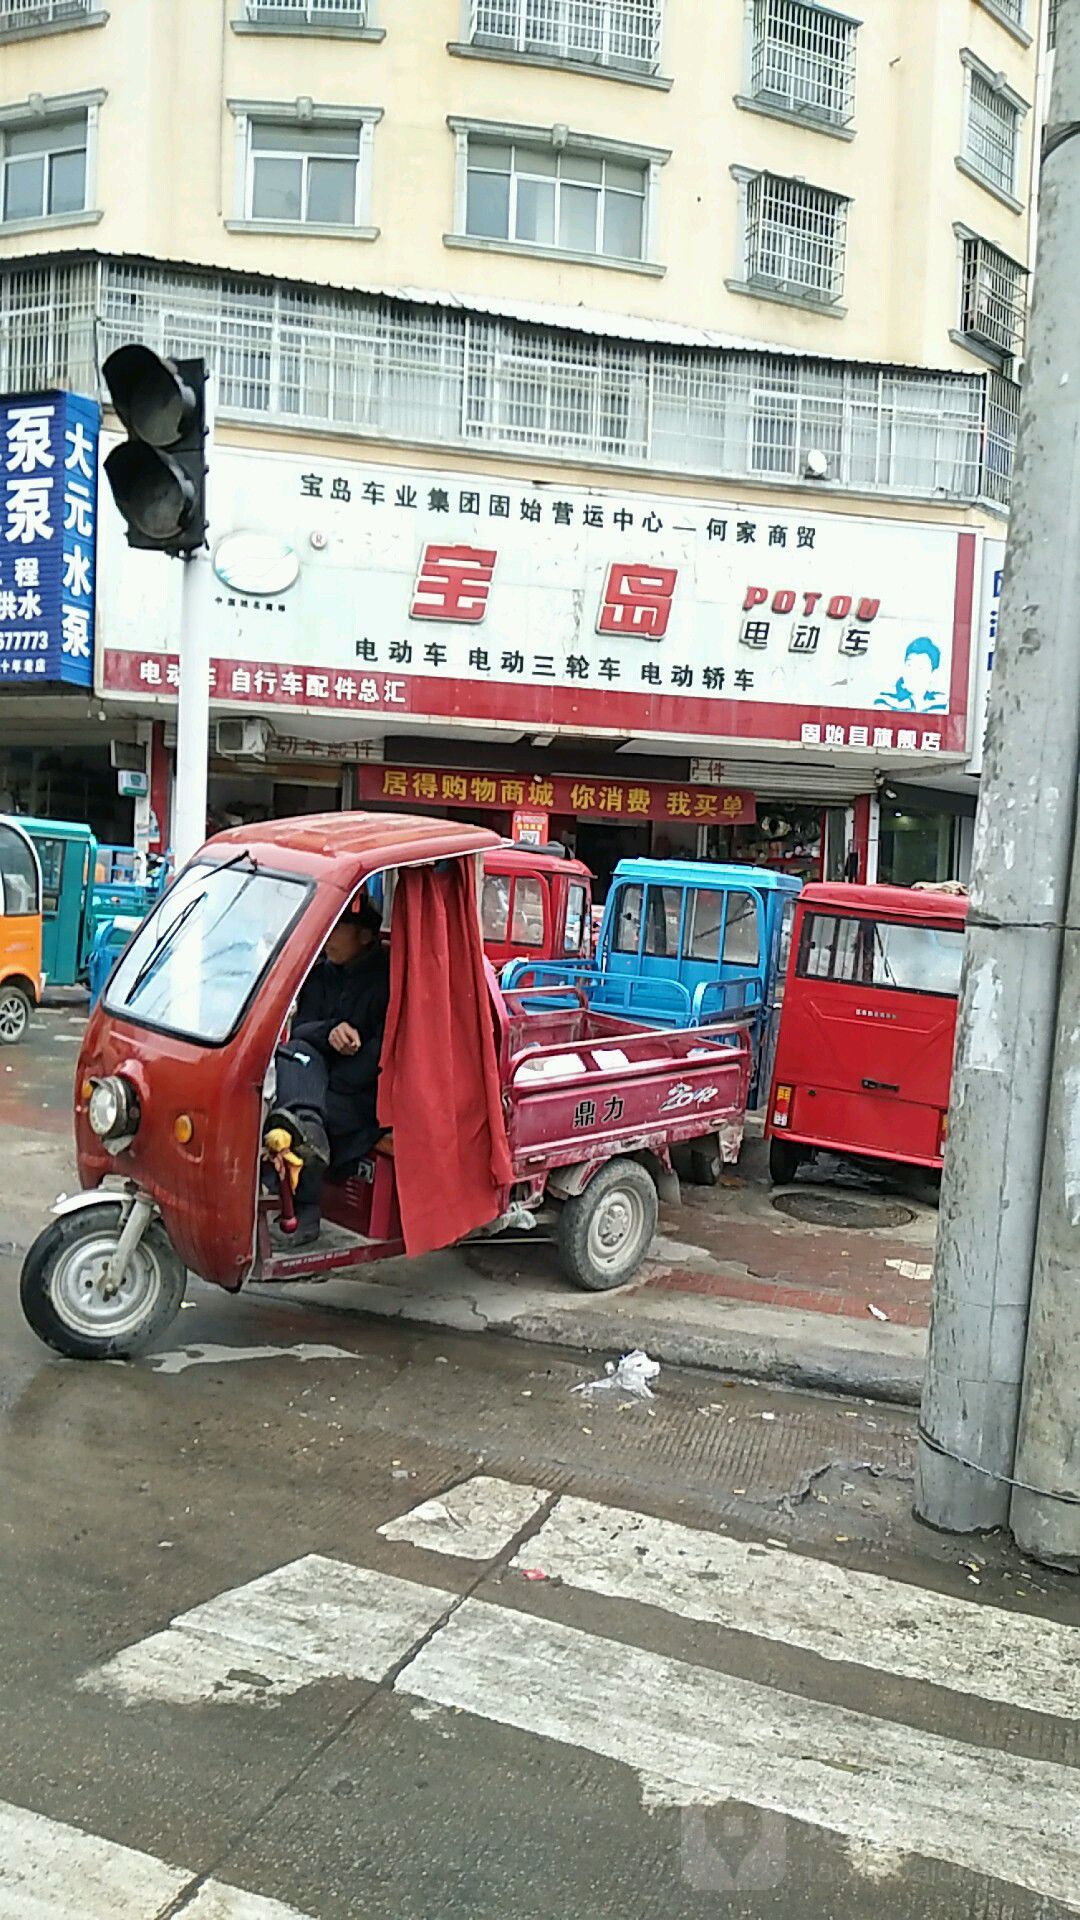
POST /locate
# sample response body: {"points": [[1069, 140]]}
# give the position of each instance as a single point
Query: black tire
{"points": [[705, 1162], [619, 1204], [60, 1269], [785, 1159], [16, 1007]]}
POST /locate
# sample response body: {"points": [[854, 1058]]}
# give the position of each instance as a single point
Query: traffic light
{"points": [[158, 474]]}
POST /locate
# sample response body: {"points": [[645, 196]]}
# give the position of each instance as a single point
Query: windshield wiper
{"points": [[163, 941]]}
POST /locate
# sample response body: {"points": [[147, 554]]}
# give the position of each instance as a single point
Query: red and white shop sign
{"points": [[535, 605], [584, 797]]}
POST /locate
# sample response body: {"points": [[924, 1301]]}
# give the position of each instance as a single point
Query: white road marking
{"points": [[476, 1520], [51, 1871], [213, 1356], [314, 1619], [863, 1619], [882, 1785]]}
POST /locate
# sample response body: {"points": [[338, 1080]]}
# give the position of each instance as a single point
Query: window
{"points": [[1051, 23], [574, 937], [663, 922], [703, 923], [29, 16], [307, 13], [579, 203], [527, 926], [802, 58], [628, 920], [794, 238], [992, 133], [991, 296], [495, 907], [1013, 10], [44, 169], [707, 913], [605, 33], [195, 963], [304, 174], [741, 946], [18, 874], [50, 854], [881, 953]]}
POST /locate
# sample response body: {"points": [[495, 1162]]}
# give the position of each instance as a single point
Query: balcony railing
{"points": [[623, 34], [311, 13], [24, 15], [992, 297]]}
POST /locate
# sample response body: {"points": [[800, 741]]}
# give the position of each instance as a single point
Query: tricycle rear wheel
{"points": [[62, 1295], [785, 1159], [605, 1232]]}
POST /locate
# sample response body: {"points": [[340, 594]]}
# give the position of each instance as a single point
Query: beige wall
{"points": [[166, 166]]}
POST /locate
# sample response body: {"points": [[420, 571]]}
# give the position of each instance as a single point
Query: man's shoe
{"points": [[309, 1137]]}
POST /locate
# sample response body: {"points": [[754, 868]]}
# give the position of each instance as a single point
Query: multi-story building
{"points": [[622, 390]]}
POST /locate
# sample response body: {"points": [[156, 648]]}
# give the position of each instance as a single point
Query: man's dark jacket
{"points": [[358, 994]]}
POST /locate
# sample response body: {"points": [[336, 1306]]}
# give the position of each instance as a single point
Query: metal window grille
{"points": [[1013, 10], [803, 58], [993, 132], [607, 33], [795, 237], [992, 296], [396, 370], [1051, 23], [16, 15], [313, 13]]}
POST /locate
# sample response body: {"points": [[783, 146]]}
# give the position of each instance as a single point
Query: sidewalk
{"points": [[735, 1285]]}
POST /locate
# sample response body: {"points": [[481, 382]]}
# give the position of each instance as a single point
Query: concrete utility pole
{"points": [[1023, 858]]}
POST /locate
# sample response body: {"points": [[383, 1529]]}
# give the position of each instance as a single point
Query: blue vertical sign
{"points": [[48, 524]]}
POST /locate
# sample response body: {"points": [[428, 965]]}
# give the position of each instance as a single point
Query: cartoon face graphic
{"points": [[917, 689]]}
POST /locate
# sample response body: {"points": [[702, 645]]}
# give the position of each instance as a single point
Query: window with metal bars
{"points": [[802, 57], [603, 33], [992, 136], [23, 16], [1013, 10], [795, 238], [307, 13], [991, 296], [395, 370], [1051, 23]]}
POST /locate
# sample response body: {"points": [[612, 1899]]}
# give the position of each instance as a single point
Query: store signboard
{"points": [[623, 802], [48, 520], [993, 570], [515, 604]]}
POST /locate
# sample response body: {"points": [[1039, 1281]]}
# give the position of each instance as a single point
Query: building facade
{"points": [[613, 392]]}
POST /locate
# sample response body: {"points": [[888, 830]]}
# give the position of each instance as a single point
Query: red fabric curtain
{"points": [[439, 1086]]}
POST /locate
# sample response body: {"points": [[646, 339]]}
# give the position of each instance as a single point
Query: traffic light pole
{"points": [[1020, 901], [192, 720]]}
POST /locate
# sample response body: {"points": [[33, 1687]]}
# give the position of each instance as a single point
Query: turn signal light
{"points": [[183, 1128], [782, 1107], [86, 1090]]}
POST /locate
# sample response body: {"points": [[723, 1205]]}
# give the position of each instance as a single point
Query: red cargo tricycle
{"points": [[494, 1112], [865, 1049]]}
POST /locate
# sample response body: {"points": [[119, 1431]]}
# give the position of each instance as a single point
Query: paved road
{"points": [[309, 1615]]}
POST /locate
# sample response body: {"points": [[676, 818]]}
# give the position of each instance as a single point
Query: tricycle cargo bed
{"points": [[582, 1086]]}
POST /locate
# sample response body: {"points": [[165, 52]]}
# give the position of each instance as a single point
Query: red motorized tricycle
{"points": [[537, 905], [493, 1111], [864, 1055]]}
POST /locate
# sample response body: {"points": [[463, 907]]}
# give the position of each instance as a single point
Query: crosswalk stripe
{"points": [[52, 1871], [864, 1619], [314, 1619], [719, 1738], [476, 1520]]}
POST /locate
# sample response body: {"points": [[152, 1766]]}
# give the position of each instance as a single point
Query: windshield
{"points": [[194, 964]]}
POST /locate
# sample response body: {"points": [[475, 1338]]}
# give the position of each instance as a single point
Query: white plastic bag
{"points": [[631, 1377]]}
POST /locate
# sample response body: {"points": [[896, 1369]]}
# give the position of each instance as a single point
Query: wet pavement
{"points": [[672, 1657]]}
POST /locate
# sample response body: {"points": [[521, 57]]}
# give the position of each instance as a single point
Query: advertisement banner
{"points": [[48, 521], [394, 591], [625, 802]]}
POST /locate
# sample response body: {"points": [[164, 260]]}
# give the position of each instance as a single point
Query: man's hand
{"points": [[345, 1039]]}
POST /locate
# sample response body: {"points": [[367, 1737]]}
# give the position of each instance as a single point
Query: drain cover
{"points": [[841, 1210]]}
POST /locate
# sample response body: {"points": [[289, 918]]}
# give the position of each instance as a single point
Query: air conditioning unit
{"points": [[241, 739]]}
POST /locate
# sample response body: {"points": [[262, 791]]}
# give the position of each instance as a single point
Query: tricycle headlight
{"points": [[113, 1111]]}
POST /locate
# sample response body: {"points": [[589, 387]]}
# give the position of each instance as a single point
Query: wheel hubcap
{"points": [[12, 1016], [616, 1227], [78, 1291]]}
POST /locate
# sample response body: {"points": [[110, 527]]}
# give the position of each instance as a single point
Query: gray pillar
{"points": [[1023, 849]]}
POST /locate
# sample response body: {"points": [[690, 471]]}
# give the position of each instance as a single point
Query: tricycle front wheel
{"points": [[15, 1009], [63, 1294], [605, 1232]]}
